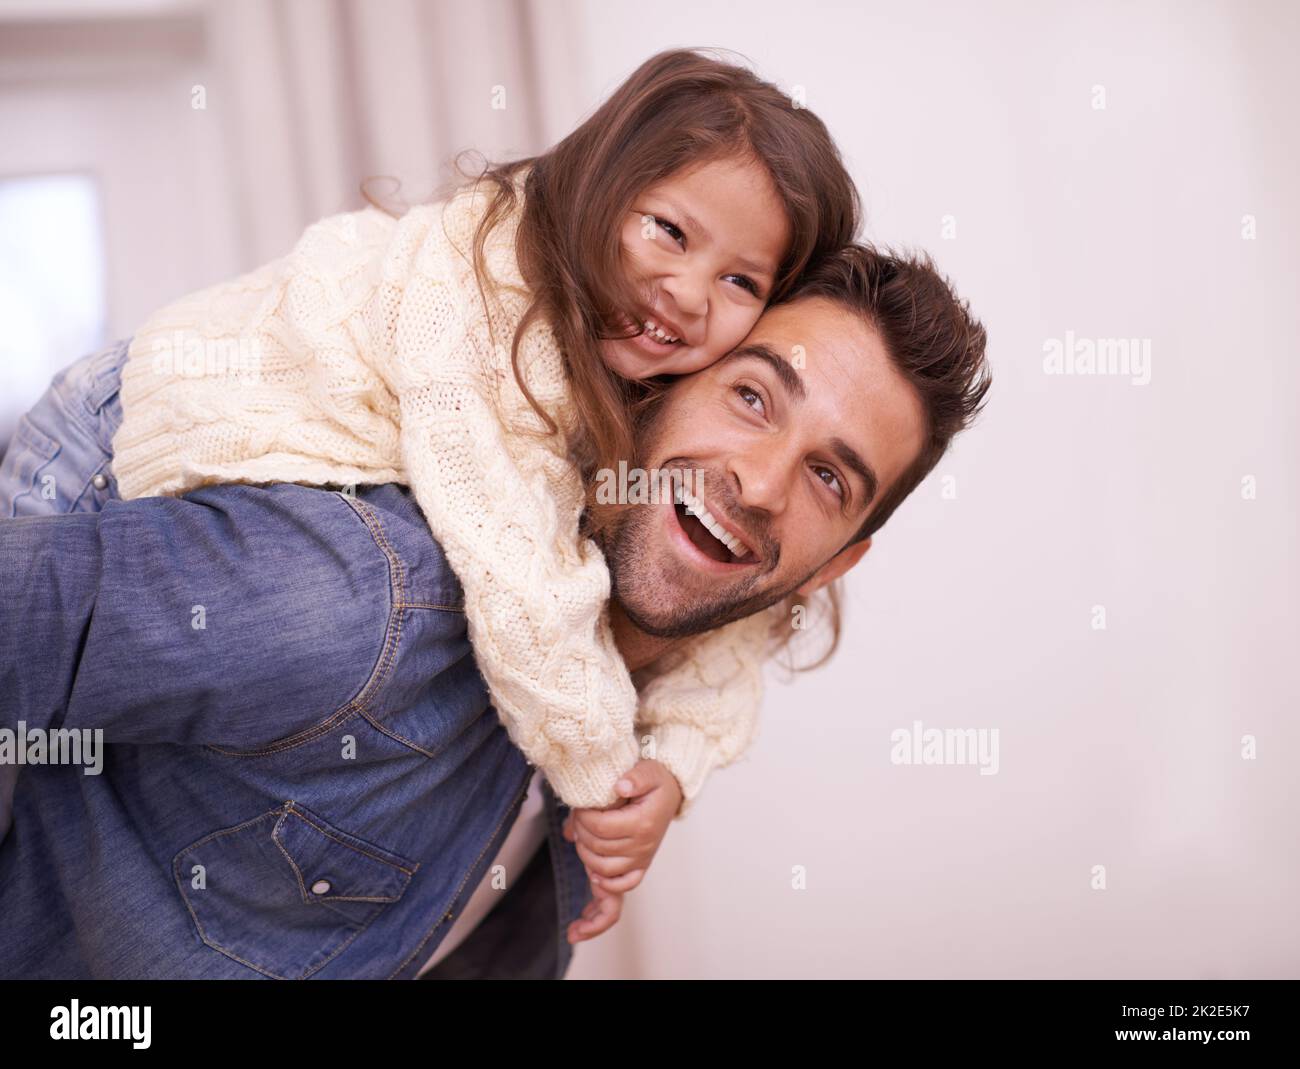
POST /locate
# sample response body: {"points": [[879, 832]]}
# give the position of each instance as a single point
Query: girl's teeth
{"points": [[660, 336]]}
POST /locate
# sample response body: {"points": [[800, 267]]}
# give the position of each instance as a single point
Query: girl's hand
{"points": [[599, 915], [617, 844]]}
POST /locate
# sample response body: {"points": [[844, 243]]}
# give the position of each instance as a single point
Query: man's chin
{"points": [[696, 623], [665, 617], [660, 626], [665, 597]]}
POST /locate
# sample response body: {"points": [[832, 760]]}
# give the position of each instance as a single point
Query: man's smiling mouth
{"points": [[708, 535]]}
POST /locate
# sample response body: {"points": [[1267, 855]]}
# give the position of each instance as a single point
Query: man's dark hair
{"points": [[930, 336]]}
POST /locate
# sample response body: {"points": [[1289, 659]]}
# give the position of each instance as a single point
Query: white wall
{"points": [[1118, 747]]}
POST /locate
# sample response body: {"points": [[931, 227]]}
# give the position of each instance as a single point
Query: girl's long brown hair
{"points": [[680, 108]]}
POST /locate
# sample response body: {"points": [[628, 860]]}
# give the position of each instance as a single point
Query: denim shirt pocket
{"points": [[287, 892], [59, 458], [31, 451]]}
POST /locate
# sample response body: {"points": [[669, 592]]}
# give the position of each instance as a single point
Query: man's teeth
{"points": [[696, 508], [658, 334]]}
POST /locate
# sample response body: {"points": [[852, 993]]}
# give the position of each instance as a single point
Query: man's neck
{"points": [[638, 648]]}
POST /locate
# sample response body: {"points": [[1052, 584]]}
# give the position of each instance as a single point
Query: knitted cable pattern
{"points": [[368, 354]]}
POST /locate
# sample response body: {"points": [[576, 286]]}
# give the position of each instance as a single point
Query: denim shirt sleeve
{"points": [[235, 616]]}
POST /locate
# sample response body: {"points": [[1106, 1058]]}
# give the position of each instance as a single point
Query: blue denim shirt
{"points": [[302, 775]]}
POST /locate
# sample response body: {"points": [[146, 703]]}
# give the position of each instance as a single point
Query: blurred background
{"points": [[1104, 571]]}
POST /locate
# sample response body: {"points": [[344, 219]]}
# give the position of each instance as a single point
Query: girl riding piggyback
{"points": [[489, 352]]}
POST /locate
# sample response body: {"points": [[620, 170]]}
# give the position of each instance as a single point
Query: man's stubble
{"points": [[648, 599]]}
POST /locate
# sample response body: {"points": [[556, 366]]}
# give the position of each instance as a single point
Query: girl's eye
{"points": [[834, 481], [672, 230], [749, 396], [745, 283]]}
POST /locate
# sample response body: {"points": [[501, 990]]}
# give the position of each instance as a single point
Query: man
{"points": [[303, 778]]}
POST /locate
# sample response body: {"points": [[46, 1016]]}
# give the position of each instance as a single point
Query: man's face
{"points": [[792, 459]]}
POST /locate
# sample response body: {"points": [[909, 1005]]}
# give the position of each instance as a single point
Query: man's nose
{"points": [[762, 480]]}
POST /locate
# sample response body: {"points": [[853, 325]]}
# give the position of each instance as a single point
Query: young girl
{"points": [[488, 351]]}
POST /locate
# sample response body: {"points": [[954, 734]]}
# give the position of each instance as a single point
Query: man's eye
{"points": [[672, 230], [749, 396], [833, 482], [745, 283]]}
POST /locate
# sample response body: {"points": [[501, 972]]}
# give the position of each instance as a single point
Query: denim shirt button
{"points": [[320, 887], [99, 481]]}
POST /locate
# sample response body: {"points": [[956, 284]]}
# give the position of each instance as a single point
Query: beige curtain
{"points": [[323, 93]]}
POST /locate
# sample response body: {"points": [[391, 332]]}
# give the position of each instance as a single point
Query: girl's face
{"points": [[705, 245]]}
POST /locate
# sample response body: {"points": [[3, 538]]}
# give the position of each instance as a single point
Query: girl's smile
{"points": [[706, 242]]}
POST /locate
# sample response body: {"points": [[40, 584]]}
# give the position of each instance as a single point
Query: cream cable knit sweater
{"points": [[365, 356]]}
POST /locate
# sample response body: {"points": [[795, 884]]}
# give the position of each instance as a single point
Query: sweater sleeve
{"points": [[701, 707], [505, 504]]}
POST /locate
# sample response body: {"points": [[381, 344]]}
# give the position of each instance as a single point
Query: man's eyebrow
{"points": [[792, 381], [851, 457], [789, 378]]}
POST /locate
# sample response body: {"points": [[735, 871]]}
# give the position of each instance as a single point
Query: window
{"points": [[52, 293]]}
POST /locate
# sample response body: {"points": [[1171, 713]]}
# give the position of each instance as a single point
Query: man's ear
{"points": [[845, 559]]}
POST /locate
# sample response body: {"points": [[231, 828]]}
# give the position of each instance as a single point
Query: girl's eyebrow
{"points": [[686, 217], [755, 268], [694, 224]]}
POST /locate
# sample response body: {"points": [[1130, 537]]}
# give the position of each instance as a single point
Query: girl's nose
{"points": [[689, 292]]}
